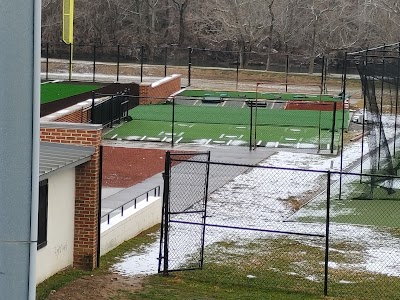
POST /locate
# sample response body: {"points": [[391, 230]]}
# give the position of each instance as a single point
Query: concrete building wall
{"points": [[121, 229], [58, 253]]}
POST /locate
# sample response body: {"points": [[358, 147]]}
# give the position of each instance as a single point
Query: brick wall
{"points": [[86, 186], [77, 116], [159, 91]]}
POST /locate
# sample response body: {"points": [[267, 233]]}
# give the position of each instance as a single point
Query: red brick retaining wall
{"points": [[159, 91]]}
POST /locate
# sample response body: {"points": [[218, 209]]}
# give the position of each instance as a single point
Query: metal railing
{"points": [[154, 191]]}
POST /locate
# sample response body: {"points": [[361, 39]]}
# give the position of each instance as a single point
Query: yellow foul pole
{"points": [[68, 29]]}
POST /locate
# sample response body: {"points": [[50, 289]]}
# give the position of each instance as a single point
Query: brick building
{"points": [[69, 197]]}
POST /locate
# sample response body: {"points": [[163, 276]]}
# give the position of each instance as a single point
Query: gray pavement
{"points": [[113, 198]]}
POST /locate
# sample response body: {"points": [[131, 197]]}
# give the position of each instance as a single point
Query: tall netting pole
{"points": [[397, 99], [379, 74], [343, 122], [363, 123]]}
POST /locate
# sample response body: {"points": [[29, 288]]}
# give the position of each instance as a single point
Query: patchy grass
{"points": [[68, 276], [58, 281], [275, 268]]}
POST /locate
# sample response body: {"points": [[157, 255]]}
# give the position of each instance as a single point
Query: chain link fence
{"points": [[265, 227], [93, 61]]}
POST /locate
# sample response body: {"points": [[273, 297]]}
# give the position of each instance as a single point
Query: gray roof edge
{"points": [[69, 146], [69, 166], [54, 153], [68, 125]]}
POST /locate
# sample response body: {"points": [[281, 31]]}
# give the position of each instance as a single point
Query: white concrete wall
{"points": [[58, 253], [134, 221]]}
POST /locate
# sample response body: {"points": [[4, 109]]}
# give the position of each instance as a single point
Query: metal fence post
{"points": [[141, 62], [397, 100], [47, 61], [165, 215], [94, 63], [205, 211], [328, 196], [322, 74], [189, 66], [343, 114], [237, 70], [333, 126], [70, 62], [118, 57], [165, 61], [251, 125], [173, 122], [286, 72], [112, 100]]}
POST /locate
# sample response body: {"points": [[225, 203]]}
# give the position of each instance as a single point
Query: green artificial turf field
{"points": [[53, 91], [231, 126]]}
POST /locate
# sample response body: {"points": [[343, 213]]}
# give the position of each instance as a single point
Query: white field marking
{"points": [[52, 81], [183, 125], [143, 138], [290, 139], [277, 144], [328, 146], [208, 141], [241, 127], [169, 133], [153, 138], [195, 102], [221, 136], [178, 140], [295, 129], [190, 126], [231, 136], [240, 137], [300, 140], [259, 142], [164, 139], [132, 138], [182, 133], [273, 104], [223, 103], [243, 105], [161, 133], [270, 144], [114, 136], [229, 142], [298, 145], [218, 142]]}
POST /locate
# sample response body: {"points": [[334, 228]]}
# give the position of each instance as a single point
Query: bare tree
{"points": [[181, 6]]}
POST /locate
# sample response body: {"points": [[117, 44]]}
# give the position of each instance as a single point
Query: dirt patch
{"points": [[124, 167], [98, 287]]}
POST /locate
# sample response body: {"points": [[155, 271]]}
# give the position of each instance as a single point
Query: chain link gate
{"points": [[188, 183]]}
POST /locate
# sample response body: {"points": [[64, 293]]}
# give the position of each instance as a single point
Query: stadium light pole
{"points": [[19, 152]]}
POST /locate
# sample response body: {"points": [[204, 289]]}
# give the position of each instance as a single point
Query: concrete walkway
{"points": [[114, 198]]}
